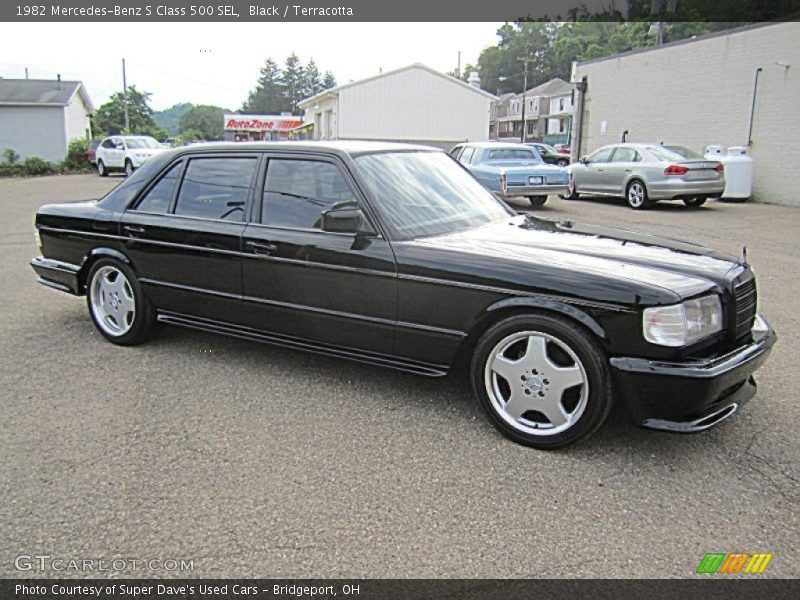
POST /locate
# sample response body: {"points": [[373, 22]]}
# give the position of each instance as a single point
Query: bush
{"points": [[34, 165], [7, 170], [76, 156], [10, 156]]}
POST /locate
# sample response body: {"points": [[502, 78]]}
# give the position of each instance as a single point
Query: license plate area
{"points": [[535, 180]]}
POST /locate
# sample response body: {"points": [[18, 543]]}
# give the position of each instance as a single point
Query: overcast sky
{"points": [[218, 63]]}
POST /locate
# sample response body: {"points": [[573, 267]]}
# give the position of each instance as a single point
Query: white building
{"points": [[40, 117], [699, 92], [413, 104]]}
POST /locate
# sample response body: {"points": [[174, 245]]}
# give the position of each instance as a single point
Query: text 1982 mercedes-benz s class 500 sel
{"points": [[396, 256]]}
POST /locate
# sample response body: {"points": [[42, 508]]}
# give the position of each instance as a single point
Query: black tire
{"points": [[695, 202], [571, 194], [128, 167], [636, 195], [562, 162], [598, 399], [537, 200], [142, 325], [101, 169]]}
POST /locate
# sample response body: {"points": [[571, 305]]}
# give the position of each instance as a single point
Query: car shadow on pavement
{"points": [[449, 398]]}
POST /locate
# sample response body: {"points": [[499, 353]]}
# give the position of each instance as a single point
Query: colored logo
{"points": [[735, 562]]}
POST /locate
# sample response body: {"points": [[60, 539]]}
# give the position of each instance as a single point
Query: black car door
{"points": [[183, 235], [335, 288]]}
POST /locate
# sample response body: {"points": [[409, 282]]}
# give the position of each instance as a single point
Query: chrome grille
{"points": [[745, 299]]}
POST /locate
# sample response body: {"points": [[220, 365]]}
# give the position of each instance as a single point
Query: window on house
{"points": [[561, 104], [531, 127]]}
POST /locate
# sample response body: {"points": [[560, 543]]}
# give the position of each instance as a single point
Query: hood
{"points": [[147, 151], [683, 268]]}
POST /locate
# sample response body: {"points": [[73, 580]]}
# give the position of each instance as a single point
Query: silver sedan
{"points": [[646, 173]]}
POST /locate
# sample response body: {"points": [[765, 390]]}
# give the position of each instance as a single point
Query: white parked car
{"points": [[125, 153]]}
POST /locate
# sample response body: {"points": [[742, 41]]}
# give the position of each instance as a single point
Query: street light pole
{"points": [[125, 96], [524, 90]]}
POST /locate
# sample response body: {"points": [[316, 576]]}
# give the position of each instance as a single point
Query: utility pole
{"points": [[125, 97], [526, 60], [458, 68]]}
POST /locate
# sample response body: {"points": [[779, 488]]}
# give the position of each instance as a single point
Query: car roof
{"points": [[350, 147], [496, 144]]}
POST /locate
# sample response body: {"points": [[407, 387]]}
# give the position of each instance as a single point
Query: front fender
{"points": [[565, 309]]}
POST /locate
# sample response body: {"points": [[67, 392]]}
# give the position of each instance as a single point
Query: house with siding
{"points": [[548, 114], [39, 117]]}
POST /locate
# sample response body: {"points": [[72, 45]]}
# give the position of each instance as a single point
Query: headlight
{"points": [[683, 324], [141, 156]]}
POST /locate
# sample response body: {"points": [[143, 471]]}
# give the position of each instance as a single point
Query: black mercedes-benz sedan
{"points": [[395, 255]]}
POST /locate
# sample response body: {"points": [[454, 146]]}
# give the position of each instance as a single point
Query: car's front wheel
{"points": [[537, 200], [541, 380], [128, 167], [119, 309], [562, 162], [101, 169], [572, 192]]}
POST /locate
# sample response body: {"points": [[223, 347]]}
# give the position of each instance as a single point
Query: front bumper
{"points": [[534, 190], [691, 396]]}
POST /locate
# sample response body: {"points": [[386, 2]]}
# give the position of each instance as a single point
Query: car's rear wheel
{"points": [[695, 202], [541, 380], [562, 162], [101, 169], [119, 309], [128, 167], [537, 200], [636, 195]]}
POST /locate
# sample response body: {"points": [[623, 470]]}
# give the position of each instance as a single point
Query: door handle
{"points": [[628, 170], [133, 228], [259, 248]]}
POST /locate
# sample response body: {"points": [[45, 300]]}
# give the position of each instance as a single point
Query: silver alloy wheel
{"points": [[112, 301], [636, 194], [128, 168], [532, 398]]}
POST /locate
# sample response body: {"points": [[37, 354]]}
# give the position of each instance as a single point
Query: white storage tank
{"points": [[738, 174], [738, 171]]}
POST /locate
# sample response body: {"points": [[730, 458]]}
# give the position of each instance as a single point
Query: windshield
{"points": [[427, 193], [663, 153], [683, 151], [510, 154], [137, 143]]}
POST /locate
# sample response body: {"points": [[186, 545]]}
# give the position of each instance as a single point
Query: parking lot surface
{"points": [[258, 461]]}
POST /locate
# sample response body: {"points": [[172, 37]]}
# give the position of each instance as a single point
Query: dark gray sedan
{"points": [[644, 174]]}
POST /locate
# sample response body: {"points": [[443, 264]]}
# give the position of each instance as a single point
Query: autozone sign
{"points": [[261, 123]]}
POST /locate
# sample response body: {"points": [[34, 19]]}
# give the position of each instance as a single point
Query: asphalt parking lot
{"points": [[262, 462]]}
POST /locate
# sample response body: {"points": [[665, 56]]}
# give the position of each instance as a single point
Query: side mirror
{"points": [[584, 160], [346, 220]]}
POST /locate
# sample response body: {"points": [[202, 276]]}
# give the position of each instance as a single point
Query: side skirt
{"points": [[380, 360]]}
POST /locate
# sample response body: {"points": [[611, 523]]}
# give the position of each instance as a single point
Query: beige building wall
{"points": [[698, 93]]}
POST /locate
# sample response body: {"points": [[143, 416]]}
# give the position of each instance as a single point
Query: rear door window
{"points": [[466, 156], [159, 198], [626, 155], [216, 188], [297, 192]]}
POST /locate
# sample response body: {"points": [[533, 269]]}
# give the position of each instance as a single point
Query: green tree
{"points": [[170, 119], [312, 81], [110, 117], [328, 81], [293, 78], [207, 120], [268, 97]]}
